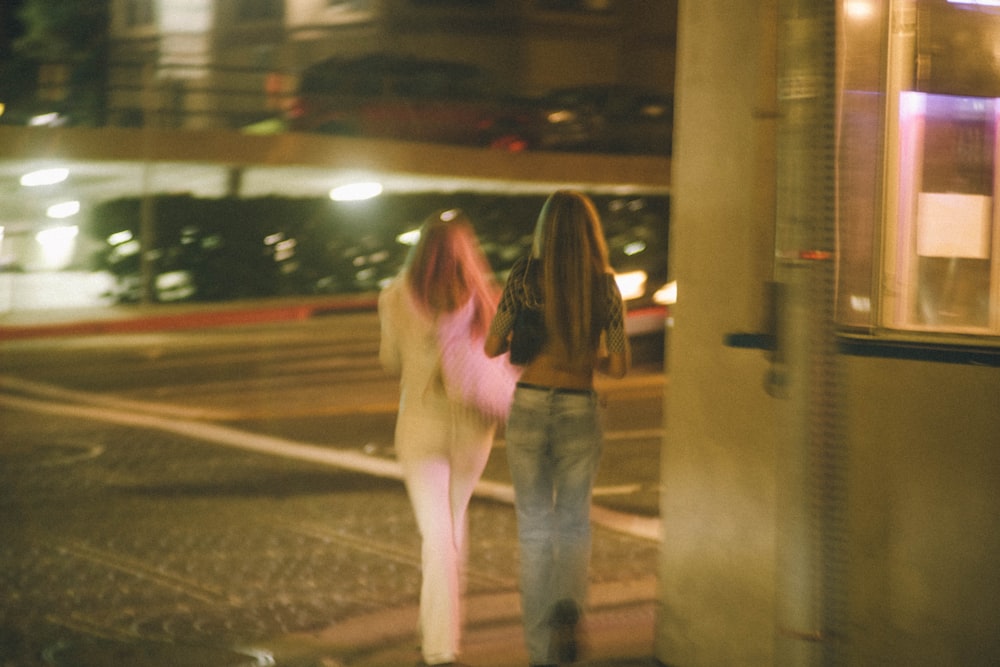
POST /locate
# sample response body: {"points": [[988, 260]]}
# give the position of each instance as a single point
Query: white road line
{"points": [[159, 408], [146, 407], [635, 434], [113, 411], [619, 490]]}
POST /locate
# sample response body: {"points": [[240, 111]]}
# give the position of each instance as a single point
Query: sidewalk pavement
{"points": [[620, 622], [618, 633]]}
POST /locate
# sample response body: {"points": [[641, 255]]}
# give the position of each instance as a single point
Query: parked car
{"points": [[605, 119], [408, 98], [216, 250]]}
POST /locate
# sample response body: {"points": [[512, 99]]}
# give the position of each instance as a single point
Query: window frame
{"points": [[891, 267]]}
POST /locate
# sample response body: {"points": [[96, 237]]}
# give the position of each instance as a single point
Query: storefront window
{"points": [[860, 132], [947, 215], [926, 207]]}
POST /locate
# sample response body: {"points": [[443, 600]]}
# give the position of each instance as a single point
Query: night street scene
{"points": [[202, 202]]}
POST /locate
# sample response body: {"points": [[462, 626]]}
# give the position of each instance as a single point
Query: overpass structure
{"points": [[109, 163], [43, 226]]}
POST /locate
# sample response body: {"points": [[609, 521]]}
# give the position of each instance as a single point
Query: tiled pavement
{"points": [[124, 546]]}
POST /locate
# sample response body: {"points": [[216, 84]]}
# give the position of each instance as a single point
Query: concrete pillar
{"points": [[719, 458]]}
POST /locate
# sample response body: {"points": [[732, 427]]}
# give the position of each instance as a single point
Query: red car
{"points": [[407, 98]]}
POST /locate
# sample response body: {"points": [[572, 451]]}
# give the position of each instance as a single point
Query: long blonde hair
{"points": [[569, 244], [447, 267]]}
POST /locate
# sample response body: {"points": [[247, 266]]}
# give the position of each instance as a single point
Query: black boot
{"points": [[565, 617]]}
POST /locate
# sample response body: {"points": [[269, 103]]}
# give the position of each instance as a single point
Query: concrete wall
{"points": [[924, 505]]}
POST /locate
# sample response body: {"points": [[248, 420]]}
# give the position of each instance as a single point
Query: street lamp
{"points": [[359, 191], [44, 177], [66, 209]]}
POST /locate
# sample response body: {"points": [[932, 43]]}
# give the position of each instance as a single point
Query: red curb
{"points": [[187, 319]]}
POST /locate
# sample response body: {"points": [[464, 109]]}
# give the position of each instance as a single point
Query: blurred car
{"points": [[605, 119], [215, 250], [408, 98], [637, 235]]}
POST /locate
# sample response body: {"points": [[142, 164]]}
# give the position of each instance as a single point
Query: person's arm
{"points": [[498, 337], [616, 364], [619, 358], [388, 348], [495, 345]]}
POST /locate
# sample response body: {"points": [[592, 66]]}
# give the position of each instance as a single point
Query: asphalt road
{"points": [[229, 496], [311, 382]]}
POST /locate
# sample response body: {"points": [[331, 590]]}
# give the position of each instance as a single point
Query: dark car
{"points": [[408, 98], [606, 119]]}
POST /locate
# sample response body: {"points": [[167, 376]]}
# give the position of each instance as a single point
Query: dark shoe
{"points": [[564, 619]]}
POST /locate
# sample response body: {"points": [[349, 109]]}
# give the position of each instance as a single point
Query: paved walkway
{"points": [[619, 633], [619, 628]]}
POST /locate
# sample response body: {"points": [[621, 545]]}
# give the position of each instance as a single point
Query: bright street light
{"points": [[66, 209], [356, 191], [44, 177]]}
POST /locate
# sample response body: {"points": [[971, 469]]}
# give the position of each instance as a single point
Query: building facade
{"points": [[228, 63], [831, 463]]}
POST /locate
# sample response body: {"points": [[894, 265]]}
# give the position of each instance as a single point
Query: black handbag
{"points": [[528, 332], [527, 336]]}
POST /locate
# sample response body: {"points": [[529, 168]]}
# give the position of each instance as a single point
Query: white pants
{"points": [[443, 449]]}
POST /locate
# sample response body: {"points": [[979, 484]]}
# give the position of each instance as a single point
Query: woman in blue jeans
{"points": [[554, 430]]}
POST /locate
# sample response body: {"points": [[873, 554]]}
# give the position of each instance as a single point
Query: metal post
{"points": [[810, 579], [147, 212]]}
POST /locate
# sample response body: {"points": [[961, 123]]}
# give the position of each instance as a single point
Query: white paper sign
{"points": [[953, 225]]}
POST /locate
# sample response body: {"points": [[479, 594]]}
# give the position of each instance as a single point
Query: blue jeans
{"points": [[553, 448]]}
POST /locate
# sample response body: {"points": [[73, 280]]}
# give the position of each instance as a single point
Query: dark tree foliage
{"points": [[63, 30], [72, 34]]}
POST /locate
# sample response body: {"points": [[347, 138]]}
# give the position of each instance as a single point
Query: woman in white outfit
{"points": [[442, 445]]}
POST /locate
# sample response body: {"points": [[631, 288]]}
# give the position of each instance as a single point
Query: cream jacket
{"points": [[428, 423], [409, 346]]}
